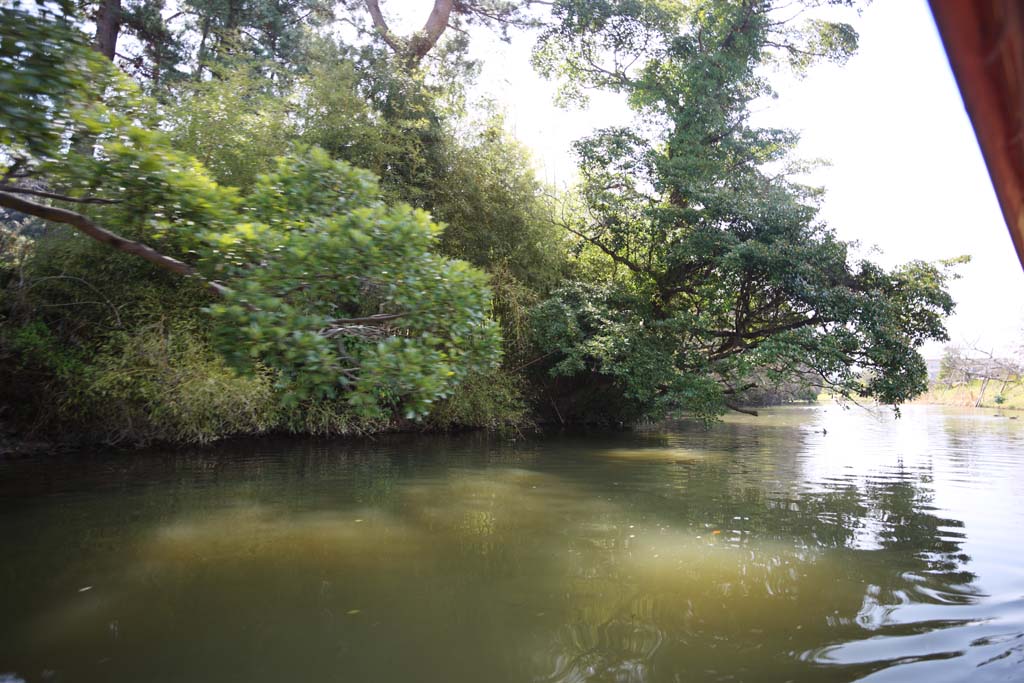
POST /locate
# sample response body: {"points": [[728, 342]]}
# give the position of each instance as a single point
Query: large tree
{"points": [[718, 273], [308, 274]]}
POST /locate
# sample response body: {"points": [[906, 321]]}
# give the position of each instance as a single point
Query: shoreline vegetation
{"points": [[15, 443], [287, 218], [18, 445], [967, 395]]}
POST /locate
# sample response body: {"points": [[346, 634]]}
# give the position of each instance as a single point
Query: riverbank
{"points": [[966, 395]]}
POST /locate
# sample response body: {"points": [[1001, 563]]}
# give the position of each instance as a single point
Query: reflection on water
{"points": [[806, 545]]}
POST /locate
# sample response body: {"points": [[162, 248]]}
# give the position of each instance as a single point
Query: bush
{"points": [[164, 382], [327, 417], [161, 382], [491, 401]]}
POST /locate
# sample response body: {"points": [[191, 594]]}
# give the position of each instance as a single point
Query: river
{"points": [[807, 544]]}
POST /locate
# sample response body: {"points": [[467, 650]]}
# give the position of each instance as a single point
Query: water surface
{"points": [[808, 544]]}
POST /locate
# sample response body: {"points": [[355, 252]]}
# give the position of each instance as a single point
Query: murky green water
{"points": [[764, 550]]}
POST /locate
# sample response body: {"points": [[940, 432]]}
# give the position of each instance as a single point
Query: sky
{"points": [[906, 174]]}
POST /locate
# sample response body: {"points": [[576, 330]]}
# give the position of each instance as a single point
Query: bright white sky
{"points": [[906, 177]]}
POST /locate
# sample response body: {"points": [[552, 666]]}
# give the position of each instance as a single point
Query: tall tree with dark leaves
{"points": [[720, 274]]}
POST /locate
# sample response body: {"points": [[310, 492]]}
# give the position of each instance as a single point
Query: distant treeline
{"points": [[972, 377]]}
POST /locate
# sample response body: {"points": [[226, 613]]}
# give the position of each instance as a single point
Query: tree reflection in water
{"points": [[785, 575]]}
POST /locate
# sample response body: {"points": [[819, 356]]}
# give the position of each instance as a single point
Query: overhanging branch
{"points": [[58, 197], [368, 327], [86, 226], [738, 409]]}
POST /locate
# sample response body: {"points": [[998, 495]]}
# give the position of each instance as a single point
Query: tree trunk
{"points": [[428, 36], [415, 48], [981, 394], [108, 26], [201, 54]]}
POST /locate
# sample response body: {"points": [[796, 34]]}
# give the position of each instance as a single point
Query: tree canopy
{"points": [[271, 203], [315, 277], [720, 267]]}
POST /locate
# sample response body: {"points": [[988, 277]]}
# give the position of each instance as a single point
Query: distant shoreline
{"points": [[966, 395]]}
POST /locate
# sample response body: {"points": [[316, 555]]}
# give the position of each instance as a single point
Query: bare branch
{"points": [[362, 331], [88, 284]]}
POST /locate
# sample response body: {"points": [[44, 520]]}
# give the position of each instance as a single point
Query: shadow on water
{"points": [[764, 550]]}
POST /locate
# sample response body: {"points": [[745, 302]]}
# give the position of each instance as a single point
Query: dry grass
{"points": [[967, 395]]}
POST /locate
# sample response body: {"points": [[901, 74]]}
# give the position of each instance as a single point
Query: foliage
{"points": [[951, 366], [339, 107], [495, 209], [235, 125], [335, 293], [720, 274], [469, 173], [285, 287], [167, 384], [492, 401], [339, 292], [46, 76], [14, 249], [173, 43], [328, 417], [152, 383]]}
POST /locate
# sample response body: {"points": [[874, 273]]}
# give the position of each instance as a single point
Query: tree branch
{"points": [[370, 319], [421, 42], [58, 197], [745, 411], [393, 41], [767, 331], [367, 327], [425, 40], [362, 331], [86, 226], [614, 255], [738, 390]]}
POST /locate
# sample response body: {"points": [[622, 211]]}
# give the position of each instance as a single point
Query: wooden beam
{"points": [[984, 40]]}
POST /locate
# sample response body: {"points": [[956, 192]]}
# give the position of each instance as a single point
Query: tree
{"points": [[108, 27], [715, 265], [444, 15], [309, 274], [953, 368]]}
